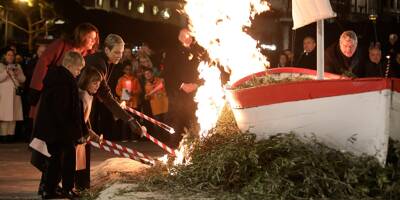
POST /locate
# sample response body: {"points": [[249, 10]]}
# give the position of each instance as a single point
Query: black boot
{"points": [[53, 195]]}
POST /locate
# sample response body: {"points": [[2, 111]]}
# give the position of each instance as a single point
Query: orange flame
{"points": [[218, 26]]}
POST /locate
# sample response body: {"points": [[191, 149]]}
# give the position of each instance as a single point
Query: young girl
{"points": [[89, 83], [128, 89], [156, 94]]}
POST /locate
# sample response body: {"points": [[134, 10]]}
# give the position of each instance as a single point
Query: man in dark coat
{"points": [[181, 81], [60, 124], [374, 67], [308, 59], [343, 58], [105, 61]]}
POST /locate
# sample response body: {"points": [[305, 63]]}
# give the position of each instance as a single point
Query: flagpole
{"points": [[320, 49]]}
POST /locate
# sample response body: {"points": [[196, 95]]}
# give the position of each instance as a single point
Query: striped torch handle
{"points": [[122, 154], [158, 123], [126, 149], [159, 143]]}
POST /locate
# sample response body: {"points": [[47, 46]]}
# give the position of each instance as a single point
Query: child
{"points": [[128, 89], [89, 83], [156, 94], [60, 124]]}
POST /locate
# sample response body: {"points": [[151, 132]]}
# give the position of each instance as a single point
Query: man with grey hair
{"points": [[343, 57], [105, 62]]}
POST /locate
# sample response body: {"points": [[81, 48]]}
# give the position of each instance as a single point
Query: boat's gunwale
{"points": [[304, 90]]}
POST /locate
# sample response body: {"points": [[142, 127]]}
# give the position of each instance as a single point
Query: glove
{"points": [[135, 126], [81, 140]]}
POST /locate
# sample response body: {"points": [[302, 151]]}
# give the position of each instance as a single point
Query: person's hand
{"points": [[123, 105], [189, 87], [17, 71], [94, 137]]}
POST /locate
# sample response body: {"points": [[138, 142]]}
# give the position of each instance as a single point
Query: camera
{"points": [[11, 67]]}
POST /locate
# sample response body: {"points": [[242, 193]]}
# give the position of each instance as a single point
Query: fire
{"points": [[219, 26], [209, 98]]}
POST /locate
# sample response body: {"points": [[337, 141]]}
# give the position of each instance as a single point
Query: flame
{"points": [[219, 26], [209, 98]]}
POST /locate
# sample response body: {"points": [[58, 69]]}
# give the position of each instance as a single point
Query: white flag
{"points": [[305, 12]]}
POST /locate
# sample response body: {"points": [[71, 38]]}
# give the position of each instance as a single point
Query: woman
{"points": [[11, 79], [85, 41]]}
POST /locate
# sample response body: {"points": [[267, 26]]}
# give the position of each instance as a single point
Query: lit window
{"points": [[166, 13], [130, 5], [140, 8], [155, 10], [100, 3]]}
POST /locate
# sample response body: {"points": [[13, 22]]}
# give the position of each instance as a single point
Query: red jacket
{"points": [[52, 56]]}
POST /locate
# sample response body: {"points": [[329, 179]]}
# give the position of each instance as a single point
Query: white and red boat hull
{"points": [[356, 115]]}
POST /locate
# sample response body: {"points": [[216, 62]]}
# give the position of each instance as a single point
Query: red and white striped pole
{"points": [[122, 154], [158, 123], [159, 143], [126, 149]]}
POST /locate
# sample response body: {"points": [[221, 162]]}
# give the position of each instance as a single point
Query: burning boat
{"points": [[356, 115]]}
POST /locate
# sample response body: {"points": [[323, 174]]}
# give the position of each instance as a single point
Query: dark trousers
{"points": [[61, 166], [82, 177]]}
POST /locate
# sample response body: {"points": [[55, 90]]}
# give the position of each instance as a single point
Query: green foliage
{"points": [[258, 81], [229, 164]]}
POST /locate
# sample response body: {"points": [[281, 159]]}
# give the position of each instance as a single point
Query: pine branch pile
{"points": [[229, 164]]}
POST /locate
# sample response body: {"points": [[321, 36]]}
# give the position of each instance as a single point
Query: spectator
{"points": [[392, 46], [156, 94], [11, 79], [28, 71], [129, 91], [393, 70], [128, 88], [343, 57], [61, 112], [283, 60], [374, 67], [290, 57], [308, 59]]}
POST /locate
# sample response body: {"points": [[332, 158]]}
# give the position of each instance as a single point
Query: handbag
{"points": [[18, 89]]}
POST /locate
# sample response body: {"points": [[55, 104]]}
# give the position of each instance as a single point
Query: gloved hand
{"points": [[135, 126], [81, 140], [94, 137]]}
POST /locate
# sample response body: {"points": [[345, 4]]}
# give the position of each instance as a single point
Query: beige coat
{"points": [[10, 103]]}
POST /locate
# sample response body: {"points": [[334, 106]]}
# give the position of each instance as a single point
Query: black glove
{"points": [[81, 140], [135, 126]]}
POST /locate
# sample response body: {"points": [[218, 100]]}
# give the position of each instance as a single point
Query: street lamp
{"points": [[27, 2]]}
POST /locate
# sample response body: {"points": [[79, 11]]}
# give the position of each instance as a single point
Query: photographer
{"points": [[11, 78]]}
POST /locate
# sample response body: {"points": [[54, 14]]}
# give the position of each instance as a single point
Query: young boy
{"points": [[60, 124]]}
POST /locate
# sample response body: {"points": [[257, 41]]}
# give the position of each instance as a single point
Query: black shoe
{"points": [[71, 194], [52, 195]]}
